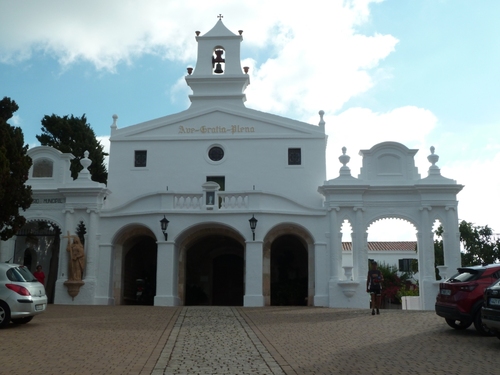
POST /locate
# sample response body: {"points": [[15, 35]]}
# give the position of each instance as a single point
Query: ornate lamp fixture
{"points": [[253, 225], [164, 225]]}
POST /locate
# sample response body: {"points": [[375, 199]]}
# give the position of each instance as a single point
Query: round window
{"points": [[216, 153]]}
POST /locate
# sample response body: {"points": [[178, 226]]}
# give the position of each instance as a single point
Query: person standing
{"points": [[40, 276], [374, 287]]}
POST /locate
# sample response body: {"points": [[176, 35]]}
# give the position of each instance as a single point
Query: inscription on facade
{"points": [[48, 200], [233, 129]]}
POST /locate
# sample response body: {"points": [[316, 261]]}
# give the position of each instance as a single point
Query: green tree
{"points": [[74, 135], [14, 168], [479, 245]]}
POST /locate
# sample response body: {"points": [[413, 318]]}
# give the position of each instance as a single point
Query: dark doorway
{"points": [[227, 280], [139, 273], [289, 272], [215, 272]]}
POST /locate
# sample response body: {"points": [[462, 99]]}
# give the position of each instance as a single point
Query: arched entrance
{"points": [[38, 243], [214, 271], [139, 271], [289, 272]]}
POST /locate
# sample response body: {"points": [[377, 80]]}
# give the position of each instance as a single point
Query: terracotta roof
{"points": [[385, 246]]}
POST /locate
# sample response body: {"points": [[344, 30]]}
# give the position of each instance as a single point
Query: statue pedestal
{"points": [[73, 287]]}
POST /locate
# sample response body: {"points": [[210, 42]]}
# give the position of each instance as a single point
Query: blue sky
{"points": [[421, 72]]}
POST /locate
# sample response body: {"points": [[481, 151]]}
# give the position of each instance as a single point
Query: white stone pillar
{"points": [[91, 245], [451, 247], [254, 274], [104, 276], [167, 275], [63, 254], [335, 245], [321, 276], [359, 248], [426, 271]]}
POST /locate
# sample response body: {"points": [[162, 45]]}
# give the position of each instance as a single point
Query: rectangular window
{"points": [[294, 156], [140, 158], [221, 180], [408, 265]]}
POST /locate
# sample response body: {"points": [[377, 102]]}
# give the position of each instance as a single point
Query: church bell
{"points": [[218, 59]]}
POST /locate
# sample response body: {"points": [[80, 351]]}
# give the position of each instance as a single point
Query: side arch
{"points": [[289, 240], [134, 257]]}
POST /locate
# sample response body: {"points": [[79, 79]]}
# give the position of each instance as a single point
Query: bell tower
{"points": [[218, 75]]}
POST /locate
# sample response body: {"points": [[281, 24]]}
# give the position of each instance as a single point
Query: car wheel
{"points": [[4, 314], [480, 327], [22, 320], [458, 324]]}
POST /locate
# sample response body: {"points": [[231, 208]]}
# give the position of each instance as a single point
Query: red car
{"points": [[460, 297]]}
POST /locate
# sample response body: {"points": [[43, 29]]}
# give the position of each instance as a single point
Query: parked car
{"points": [[461, 297], [21, 295], [491, 308]]}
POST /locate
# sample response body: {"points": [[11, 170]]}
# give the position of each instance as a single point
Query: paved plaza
{"points": [[236, 340]]}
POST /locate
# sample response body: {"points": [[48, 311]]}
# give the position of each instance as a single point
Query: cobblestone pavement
{"points": [[224, 340], [214, 340]]}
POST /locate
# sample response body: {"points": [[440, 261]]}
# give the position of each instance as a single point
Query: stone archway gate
{"points": [[389, 186]]}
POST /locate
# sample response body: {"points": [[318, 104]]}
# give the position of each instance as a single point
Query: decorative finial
{"points": [[85, 162], [433, 158], [220, 17], [197, 33], [190, 70], [321, 121], [344, 159], [240, 32], [113, 125], [245, 69]]}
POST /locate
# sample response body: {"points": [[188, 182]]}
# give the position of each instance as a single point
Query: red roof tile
{"points": [[385, 246]]}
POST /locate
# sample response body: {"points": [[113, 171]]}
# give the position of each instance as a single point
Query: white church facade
{"points": [[224, 205]]}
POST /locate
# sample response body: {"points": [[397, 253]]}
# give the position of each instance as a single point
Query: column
{"points": [[426, 261], [63, 254], [335, 245], [321, 274], [254, 274], [359, 248], [451, 247], [167, 275], [91, 245], [104, 294]]}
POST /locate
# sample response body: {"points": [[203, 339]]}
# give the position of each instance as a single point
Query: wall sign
{"points": [[233, 129]]}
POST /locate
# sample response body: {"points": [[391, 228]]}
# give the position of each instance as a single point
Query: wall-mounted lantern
{"points": [[253, 225], [164, 225]]}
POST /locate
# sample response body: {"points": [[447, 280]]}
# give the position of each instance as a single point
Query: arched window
{"points": [[43, 168]]}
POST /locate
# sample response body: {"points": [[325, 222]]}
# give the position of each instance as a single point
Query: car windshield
{"points": [[465, 275], [20, 274]]}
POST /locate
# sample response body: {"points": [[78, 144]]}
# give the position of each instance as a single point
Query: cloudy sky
{"points": [[421, 72]]}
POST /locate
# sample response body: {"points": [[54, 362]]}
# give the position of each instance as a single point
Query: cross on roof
{"points": [[220, 16]]}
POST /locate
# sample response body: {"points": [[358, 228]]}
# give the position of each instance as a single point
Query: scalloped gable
{"points": [[60, 163], [218, 122], [389, 161]]}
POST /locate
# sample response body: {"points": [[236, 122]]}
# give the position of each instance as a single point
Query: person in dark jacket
{"points": [[374, 287]]}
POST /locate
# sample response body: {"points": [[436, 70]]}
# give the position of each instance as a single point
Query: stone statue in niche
{"points": [[76, 265]]}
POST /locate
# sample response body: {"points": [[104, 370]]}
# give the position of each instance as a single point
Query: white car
{"points": [[21, 295]]}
